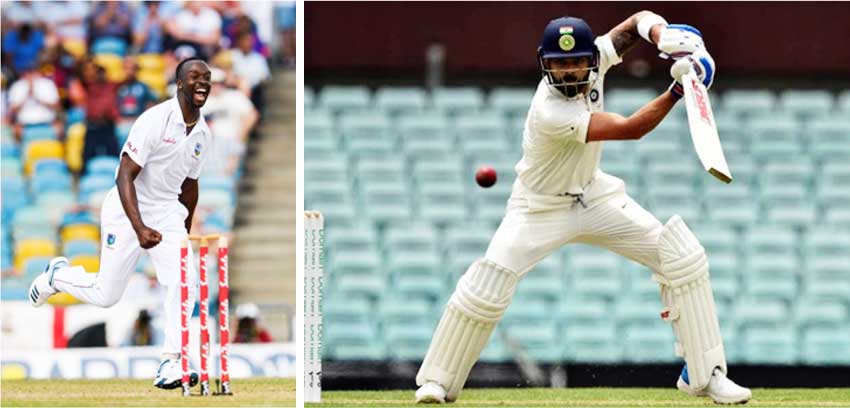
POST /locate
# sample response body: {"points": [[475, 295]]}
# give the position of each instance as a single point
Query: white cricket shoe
{"points": [[170, 375], [431, 393], [42, 288], [720, 389]]}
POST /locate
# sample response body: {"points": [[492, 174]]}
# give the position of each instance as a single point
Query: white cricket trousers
{"points": [[119, 254], [535, 226]]}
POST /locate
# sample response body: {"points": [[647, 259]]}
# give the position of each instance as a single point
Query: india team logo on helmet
{"points": [[567, 41]]}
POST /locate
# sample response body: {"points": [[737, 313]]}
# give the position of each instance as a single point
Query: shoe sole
{"points": [[193, 381], [430, 399]]}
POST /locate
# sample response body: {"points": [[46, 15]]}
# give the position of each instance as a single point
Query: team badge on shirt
{"points": [[110, 241], [594, 95], [198, 149]]}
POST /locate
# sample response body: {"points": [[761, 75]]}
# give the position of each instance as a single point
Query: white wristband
{"points": [[645, 25]]}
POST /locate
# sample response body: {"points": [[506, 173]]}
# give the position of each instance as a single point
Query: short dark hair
{"points": [[180, 65]]}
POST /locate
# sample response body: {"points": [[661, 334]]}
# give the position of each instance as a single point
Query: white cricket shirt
{"points": [[555, 156], [159, 144]]}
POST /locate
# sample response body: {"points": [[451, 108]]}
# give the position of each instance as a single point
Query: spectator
{"points": [[142, 333], [231, 117], [196, 26], [66, 20], [110, 19], [101, 113], [285, 20], [34, 100], [224, 61], [22, 46], [248, 329], [134, 97], [18, 13], [251, 66], [149, 36]]}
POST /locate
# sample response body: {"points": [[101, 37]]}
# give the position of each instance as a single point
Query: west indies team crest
{"points": [[198, 149], [110, 240]]}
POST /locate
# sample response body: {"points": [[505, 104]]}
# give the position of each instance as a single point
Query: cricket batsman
{"points": [[561, 196], [150, 209]]}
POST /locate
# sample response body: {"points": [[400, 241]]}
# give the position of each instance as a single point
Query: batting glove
{"points": [[679, 40], [703, 65]]}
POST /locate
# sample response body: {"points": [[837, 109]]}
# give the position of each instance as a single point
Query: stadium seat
{"points": [[34, 266], [309, 99], [346, 311], [91, 263], [491, 203], [11, 167], [771, 240], [361, 132], [826, 242], [408, 263], [595, 272], [627, 101], [645, 344], [344, 98], [806, 104], [381, 170], [814, 312], [102, 165], [426, 287], [468, 238], [772, 276], [31, 133], [386, 204], [113, 64], [495, 351], [402, 311], [355, 263], [829, 138], [41, 149], [109, 45], [539, 285], [76, 247], [370, 287], [419, 238], [630, 312], [349, 334], [479, 127], [587, 311], [155, 80], [540, 341], [334, 168], [406, 342], [442, 204], [748, 102], [448, 170], [327, 192], [592, 343], [525, 313], [150, 62], [457, 100], [395, 100], [776, 345], [667, 200], [28, 248], [731, 204], [74, 144], [511, 101], [80, 231], [753, 313], [826, 346]]}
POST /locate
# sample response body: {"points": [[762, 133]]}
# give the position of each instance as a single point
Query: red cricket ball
{"points": [[485, 176]]}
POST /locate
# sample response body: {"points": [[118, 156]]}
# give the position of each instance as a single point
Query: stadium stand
{"points": [[392, 172]]}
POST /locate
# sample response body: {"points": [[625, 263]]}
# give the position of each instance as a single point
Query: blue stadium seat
{"points": [[94, 183], [776, 345], [427, 287], [627, 101], [380, 170], [645, 344], [814, 312], [442, 204], [806, 103], [476, 128], [395, 100], [309, 98], [748, 102], [370, 287], [403, 311], [109, 45], [458, 100], [595, 342], [102, 165], [540, 341], [525, 313], [829, 138], [772, 276], [76, 247], [346, 311], [407, 342], [355, 263], [360, 238], [344, 98], [386, 204], [334, 168], [32, 133], [587, 311], [511, 101], [449, 170], [411, 238], [414, 264], [595, 272], [826, 346], [754, 313]]}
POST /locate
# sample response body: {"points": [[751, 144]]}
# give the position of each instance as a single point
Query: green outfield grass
{"points": [[591, 397], [268, 392]]}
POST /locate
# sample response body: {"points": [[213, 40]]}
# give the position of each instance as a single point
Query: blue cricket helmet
{"points": [[567, 37]]}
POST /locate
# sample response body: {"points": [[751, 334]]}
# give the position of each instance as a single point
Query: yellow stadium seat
{"points": [[151, 62], [28, 248], [113, 65], [155, 80], [91, 263], [42, 149], [76, 48], [80, 231], [74, 143]]}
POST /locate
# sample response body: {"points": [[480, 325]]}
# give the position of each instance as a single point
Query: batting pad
{"points": [[478, 303], [689, 302]]}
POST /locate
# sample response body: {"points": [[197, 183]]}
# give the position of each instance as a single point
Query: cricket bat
{"points": [[704, 128]]}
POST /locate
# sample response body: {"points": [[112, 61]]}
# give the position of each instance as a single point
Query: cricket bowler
{"points": [[561, 196], [150, 209]]}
